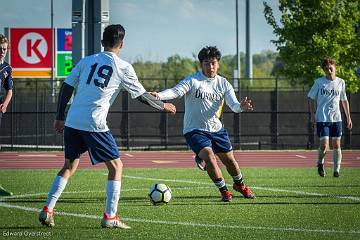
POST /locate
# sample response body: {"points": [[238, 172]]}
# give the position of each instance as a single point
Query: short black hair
{"points": [[209, 52], [113, 35], [326, 61]]}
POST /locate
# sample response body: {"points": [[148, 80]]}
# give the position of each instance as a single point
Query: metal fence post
{"points": [[237, 122]]}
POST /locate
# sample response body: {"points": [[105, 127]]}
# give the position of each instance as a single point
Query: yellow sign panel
{"points": [[29, 73]]}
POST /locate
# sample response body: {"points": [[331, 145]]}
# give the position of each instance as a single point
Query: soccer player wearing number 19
{"points": [[98, 79]]}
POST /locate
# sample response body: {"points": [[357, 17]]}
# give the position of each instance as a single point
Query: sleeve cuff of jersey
{"points": [[133, 96], [160, 96], [240, 109]]}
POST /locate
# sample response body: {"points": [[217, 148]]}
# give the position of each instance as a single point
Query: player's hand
{"points": [[313, 120], [246, 105], [3, 108], [169, 107], [349, 123], [155, 94], [59, 126]]}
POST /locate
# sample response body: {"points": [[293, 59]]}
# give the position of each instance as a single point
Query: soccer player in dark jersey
{"points": [[6, 83]]}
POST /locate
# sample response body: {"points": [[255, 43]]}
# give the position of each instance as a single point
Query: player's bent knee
{"points": [[115, 164]]}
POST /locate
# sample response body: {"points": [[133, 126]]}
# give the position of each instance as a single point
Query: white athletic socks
{"points": [[337, 156], [112, 197], [321, 156], [56, 189]]}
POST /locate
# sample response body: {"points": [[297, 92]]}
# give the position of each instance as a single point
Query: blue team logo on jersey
{"points": [[329, 92], [207, 95]]}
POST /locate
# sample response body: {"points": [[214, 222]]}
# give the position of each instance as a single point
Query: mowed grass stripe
{"points": [[291, 204], [29, 209]]}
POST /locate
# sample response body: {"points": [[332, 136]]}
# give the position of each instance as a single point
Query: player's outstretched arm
{"points": [[149, 99], [64, 96]]}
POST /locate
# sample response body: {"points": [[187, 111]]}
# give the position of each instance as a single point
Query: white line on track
{"points": [[300, 156], [7, 205], [37, 155], [129, 155]]}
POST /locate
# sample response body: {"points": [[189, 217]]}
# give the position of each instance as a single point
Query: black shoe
{"points": [[200, 163], [336, 174], [321, 169]]}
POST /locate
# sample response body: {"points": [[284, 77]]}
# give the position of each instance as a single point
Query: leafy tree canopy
{"points": [[310, 30]]}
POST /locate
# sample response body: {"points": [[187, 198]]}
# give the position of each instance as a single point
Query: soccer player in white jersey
{"points": [[204, 93], [97, 79], [325, 96]]}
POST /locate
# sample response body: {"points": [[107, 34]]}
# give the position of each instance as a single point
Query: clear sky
{"points": [[157, 29]]}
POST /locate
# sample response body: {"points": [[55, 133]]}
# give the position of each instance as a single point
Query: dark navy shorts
{"points": [[218, 141], [100, 145], [329, 129]]}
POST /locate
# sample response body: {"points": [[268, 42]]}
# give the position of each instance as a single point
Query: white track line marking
{"points": [[129, 155], [163, 161], [37, 155], [300, 156]]}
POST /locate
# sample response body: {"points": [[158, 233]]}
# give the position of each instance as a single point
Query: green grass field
{"points": [[291, 203]]}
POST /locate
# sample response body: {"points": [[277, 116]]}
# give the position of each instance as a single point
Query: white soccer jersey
{"points": [[98, 79], [327, 95], [203, 99]]}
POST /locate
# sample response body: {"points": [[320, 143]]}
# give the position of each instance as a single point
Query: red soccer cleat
{"points": [[244, 190], [226, 196]]}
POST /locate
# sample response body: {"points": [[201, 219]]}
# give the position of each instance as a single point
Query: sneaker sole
{"points": [[127, 227], [44, 223]]}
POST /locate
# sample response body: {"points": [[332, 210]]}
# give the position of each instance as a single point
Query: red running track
{"points": [[166, 159]]}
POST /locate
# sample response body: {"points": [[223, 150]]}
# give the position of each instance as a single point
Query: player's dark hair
{"points": [[113, 35], [209, 52], [326, 61]]}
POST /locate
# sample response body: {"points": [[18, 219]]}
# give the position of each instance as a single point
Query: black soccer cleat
{"points": [[336, 174], [200, 163], [321, 169]]}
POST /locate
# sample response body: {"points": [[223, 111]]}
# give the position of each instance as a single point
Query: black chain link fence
{"points": [[280, 119]]}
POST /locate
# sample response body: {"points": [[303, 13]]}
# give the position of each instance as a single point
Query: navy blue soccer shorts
{"points": [[100, 145], [218, 141], [329, 129]]}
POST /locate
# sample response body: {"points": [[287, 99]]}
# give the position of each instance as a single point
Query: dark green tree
{"points": [[176, 68], [310, 30]]}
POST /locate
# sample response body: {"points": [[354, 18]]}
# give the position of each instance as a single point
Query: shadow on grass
{"points": [[309, 186]]}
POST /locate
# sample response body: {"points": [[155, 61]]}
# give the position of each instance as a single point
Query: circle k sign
{"points": [[30, 48]]}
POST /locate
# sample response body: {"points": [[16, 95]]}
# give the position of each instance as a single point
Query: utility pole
{"points": [[248, 64]]}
